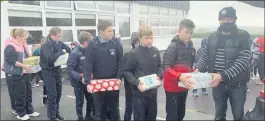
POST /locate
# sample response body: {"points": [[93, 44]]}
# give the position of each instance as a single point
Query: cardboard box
{"points": [[62, 60], [97, 85], [32, 61], [150, 82], [201, 80]]}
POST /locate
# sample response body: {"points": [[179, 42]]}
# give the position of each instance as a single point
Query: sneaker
{"points": [[195, 94], [34, 114], [58, 117], [204, 93], [33, 85], [24, 118], [37, 85], [54, 119], [14, 112], [41, 81]]}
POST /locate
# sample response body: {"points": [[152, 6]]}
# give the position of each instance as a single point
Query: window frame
{"points": [[105, 11], [120, 2], [83, 9], [60, 11], [10, 5], [118, 24], [60, 8], [84, 13]]}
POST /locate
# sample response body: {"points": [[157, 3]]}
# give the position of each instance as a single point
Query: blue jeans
{"points": [[237, 97]]}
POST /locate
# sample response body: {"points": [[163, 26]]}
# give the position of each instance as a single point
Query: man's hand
{"points": [[186, 80], [217, 78], [89, 88], [140, 87], [27, 68]]}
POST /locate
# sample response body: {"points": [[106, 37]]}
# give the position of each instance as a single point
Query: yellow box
{"points": [[33, 61]]}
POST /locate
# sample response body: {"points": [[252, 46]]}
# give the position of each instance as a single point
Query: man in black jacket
{"points": [[104, 59], [227, 56], [75, 65], [142, 61], [49, 53]]}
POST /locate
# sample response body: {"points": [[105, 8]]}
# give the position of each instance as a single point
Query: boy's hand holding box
{"points": [[150, 82], [97, 85], [201, 80]]}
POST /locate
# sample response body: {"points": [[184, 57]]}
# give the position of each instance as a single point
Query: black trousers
{"points": [[36, 76], [22, 94], [106, 103], [237, 97], [53, 85], [176, 105], [128, 103], [80, 93], [10, 87], [144, 107]]}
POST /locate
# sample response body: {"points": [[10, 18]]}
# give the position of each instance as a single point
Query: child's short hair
{"points": [[145, 30], [103, 24], [84, 36], [187, 23]]}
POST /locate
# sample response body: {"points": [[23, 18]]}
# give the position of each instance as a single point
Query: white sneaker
{"points": [[41, 81], [14, 112], [24, 118], [34, 114], [37, 85]]}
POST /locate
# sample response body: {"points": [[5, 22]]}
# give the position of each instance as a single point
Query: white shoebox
{"points": [[150, 82]]}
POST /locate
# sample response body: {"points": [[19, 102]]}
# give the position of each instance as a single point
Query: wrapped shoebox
{"points": [[62, 60], [201, 80], [97, 85], [32, 61], [34, 69], [150, 82]]}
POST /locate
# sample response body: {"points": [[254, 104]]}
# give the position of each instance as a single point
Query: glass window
{"points": [[173, 31], [34, 37], [85, 20], [183, 13], [59, 19], [154, 11], [164, 22], [93, 32], [63, 4], [154, 22], [164, 31], [67, 36], [108, 18], [156, 32], [85, 5], [106, 5], [24, 18], [114, 32], [173, 12], [124, 26], [25, 2], [143, 21], [173, 22], [143, 10], [164, 11], [123, 7]]}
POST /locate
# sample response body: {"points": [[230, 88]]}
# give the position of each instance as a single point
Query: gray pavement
{"points": [[198, 108]]}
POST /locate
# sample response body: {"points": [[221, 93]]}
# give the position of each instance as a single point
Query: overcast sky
{"points": [[205, 13]]}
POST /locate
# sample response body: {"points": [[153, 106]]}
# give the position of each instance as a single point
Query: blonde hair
{"points": [[54, 31], [145, 30], [19, 33]]}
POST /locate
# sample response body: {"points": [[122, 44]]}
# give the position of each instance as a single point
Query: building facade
{"points": [[74, 16]]}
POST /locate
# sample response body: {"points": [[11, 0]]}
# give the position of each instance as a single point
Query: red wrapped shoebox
{"points": [[97, 85]]}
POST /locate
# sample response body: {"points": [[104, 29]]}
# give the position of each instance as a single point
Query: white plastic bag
{"points": [[150, 82], [62, 60], [33, 69]]}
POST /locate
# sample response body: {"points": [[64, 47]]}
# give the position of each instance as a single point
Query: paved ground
{"points": [[200, 108]]}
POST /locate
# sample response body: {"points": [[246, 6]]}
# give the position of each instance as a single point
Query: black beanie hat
{"points": [[227, 12]]}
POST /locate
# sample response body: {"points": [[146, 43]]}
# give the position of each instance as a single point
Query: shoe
{"points": [[44, 100], [33, 85], [37, 85], [258, 82], [54, 119], [24, 118], [204, 93], [14, 112], [41, 81], [34, 114], [195, 94], [58, 117]]}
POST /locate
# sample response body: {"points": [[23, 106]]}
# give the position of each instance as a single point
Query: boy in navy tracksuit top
{"points": [[75, 65], [104, 59]]}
